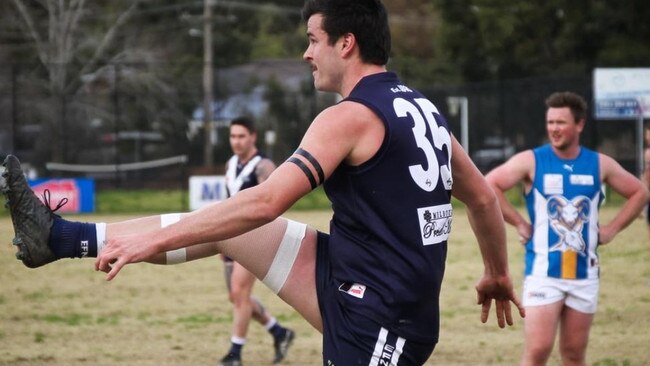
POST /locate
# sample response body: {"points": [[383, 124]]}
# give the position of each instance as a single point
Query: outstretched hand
{"points": [[120, 251], [500, 290]]}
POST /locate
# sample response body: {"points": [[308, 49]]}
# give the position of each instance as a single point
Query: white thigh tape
{"points": [[285, 256], [173, 256], [176, 256], [168, 219]]}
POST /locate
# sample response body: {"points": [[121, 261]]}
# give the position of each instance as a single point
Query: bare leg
{"points": [[574, 336], [242, 282], [255, 251], [540, 326]]}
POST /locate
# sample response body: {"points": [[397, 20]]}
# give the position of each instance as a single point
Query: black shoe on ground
{"points": [[282, 344], [230, 360], [32, 220]]}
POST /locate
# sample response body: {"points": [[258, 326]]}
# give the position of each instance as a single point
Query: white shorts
{"points": [[581, 295]]}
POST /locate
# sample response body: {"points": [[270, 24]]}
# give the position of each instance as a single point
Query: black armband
{"points": [[314, 163], [305, 170]]}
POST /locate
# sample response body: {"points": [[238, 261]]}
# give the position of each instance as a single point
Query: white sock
{"points": [[270, 323], [238, 340], [100, 229]]}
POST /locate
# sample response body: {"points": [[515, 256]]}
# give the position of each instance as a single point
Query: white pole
{"points": [[463, 103], [639, 144], [464, 123]]}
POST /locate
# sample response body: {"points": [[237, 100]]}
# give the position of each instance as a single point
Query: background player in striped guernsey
{"points": [[388, 163], [247, 168], [563, 185]]}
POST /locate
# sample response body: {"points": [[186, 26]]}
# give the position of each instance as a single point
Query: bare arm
{"points": [[519, 168], [253, 207], [264, 169], [646, 165], [486, 220], [628, 186]]}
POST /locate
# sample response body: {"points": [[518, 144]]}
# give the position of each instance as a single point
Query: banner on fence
{"points": [[205, 189], [622, 93], [80, 193]]}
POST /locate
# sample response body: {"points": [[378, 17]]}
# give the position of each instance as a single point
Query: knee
{"points": [[572, 354], [537, 354], [238, 296]]}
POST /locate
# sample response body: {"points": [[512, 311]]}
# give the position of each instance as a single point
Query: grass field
{"points": [[67, 314]]}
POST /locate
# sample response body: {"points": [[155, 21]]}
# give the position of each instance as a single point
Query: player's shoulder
{"points": [[522, 158], [520, 165], [347, 117], [608, 164]]}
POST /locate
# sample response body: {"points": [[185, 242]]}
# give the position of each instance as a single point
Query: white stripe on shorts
{"points": [[381, 349], [399, 347]]}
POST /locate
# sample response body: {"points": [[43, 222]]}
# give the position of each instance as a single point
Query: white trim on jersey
{"points": [[234, 181], [540, 236], [593, 271]]}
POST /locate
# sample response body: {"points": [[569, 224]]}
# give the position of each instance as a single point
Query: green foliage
{"points": [[488, 39]]}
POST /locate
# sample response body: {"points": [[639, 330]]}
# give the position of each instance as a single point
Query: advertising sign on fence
{"points": [[80, 193], [205, 189], [622, 93]]}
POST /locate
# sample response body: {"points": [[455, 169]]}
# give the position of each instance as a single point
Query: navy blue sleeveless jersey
{"points": [[392, 214]]}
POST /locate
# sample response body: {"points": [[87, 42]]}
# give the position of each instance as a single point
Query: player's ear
{"points": [[347, 43]]}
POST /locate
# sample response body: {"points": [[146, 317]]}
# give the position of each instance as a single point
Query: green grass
{"points": [[120, 201], [180, 315], [136, 201], [139, 201]]}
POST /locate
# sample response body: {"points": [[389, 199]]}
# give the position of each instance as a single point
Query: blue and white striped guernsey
{"points": [[563, 207]]}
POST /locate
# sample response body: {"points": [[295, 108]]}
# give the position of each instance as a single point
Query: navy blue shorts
{"points": [[349, 338]]}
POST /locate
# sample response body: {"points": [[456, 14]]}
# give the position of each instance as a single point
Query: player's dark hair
{"points": [[245, 122], [575, 102], [366, 19]]}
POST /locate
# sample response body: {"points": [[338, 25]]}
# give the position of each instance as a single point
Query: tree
{"points": [[500, 39], [66, 54]]}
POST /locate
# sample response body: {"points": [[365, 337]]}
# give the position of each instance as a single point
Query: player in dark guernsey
{"points": [[245, 169], [389, 164], [392, 214]]}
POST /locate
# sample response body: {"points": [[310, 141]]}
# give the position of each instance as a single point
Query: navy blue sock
{"points": [[235, 349], [69, 239], [278, 331]]}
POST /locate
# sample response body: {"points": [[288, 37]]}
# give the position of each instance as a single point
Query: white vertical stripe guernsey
{"points": [[540, 236]]}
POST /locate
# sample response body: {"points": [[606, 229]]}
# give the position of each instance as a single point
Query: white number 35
{"points": [[428, 178]]}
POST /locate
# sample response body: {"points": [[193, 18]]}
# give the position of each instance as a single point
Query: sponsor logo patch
{"points": [[356, 289], [581, 180], [553, 184], [435, 223], [537, 295]]}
